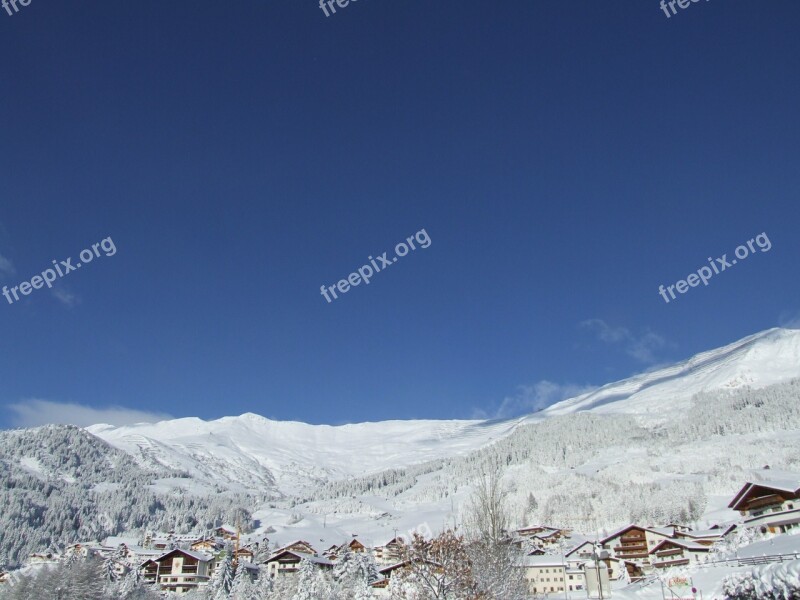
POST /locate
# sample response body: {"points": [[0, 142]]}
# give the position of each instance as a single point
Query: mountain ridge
{"points": [[258, 452]]}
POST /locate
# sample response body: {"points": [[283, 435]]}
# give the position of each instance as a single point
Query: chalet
{"points": [[179, 571], [677, 527], [545, 538], [707, 537], [355, 546], [382, 587], [287, 562], [244, 555], [542, 532], [583, 548], [149, 571], [770, 506], [207, 544], [79, 550], [386, 573], [678, 553], [227, 533], [391, 552], [633, 543], [298, 546]]}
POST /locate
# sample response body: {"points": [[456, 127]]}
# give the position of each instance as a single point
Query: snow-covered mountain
{"points": [[757, 361], [670, 444], [256, 453]]}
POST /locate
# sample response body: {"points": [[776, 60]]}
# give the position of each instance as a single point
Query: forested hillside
{"points": [[59, 484]]}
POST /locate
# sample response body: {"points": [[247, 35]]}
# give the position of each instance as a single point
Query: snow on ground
{"points": [[708, 578]]}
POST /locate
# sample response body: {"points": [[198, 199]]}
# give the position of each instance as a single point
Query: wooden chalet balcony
{"points": [[631, 547], [288, 569], [637, 554], [757, 503], [673, 552], [679, 562]]}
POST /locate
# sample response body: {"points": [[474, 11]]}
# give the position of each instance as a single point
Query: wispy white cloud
{"points": [[790, 319], [66, 297], [533, 397], [35, 412], [6, 267], [641, 347]]}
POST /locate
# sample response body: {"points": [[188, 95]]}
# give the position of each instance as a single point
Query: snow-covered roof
{"points": [[687, 544], [788, 485], [248, 565], [708, 533], [579, 546], [551, 560], [312, 558], [545, 534], [666, 531], [115, 540], [193, 553]]}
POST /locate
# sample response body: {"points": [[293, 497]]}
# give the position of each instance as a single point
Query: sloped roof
{"points": [[666, 531], [708, 533], [547, 560], [792, 486], [312, 558], [578, 547], [193, 553], [688, 545]]}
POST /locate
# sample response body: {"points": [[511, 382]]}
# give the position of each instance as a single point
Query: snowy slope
{"points": [[259, 453], [757, 361], [256, 453]]}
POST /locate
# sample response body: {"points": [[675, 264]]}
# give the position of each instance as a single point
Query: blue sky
{"points": [[565, 160]]}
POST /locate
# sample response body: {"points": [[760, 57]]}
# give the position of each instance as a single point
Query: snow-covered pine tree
{"points": [[353, 573], [221, 582], [313, 583], [244, 587]]}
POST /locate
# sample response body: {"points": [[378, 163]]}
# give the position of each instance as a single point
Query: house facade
{"points": [[678, 553], [287, 562], [390, 553], [179, 571], [633, 543], [769, 506]]}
